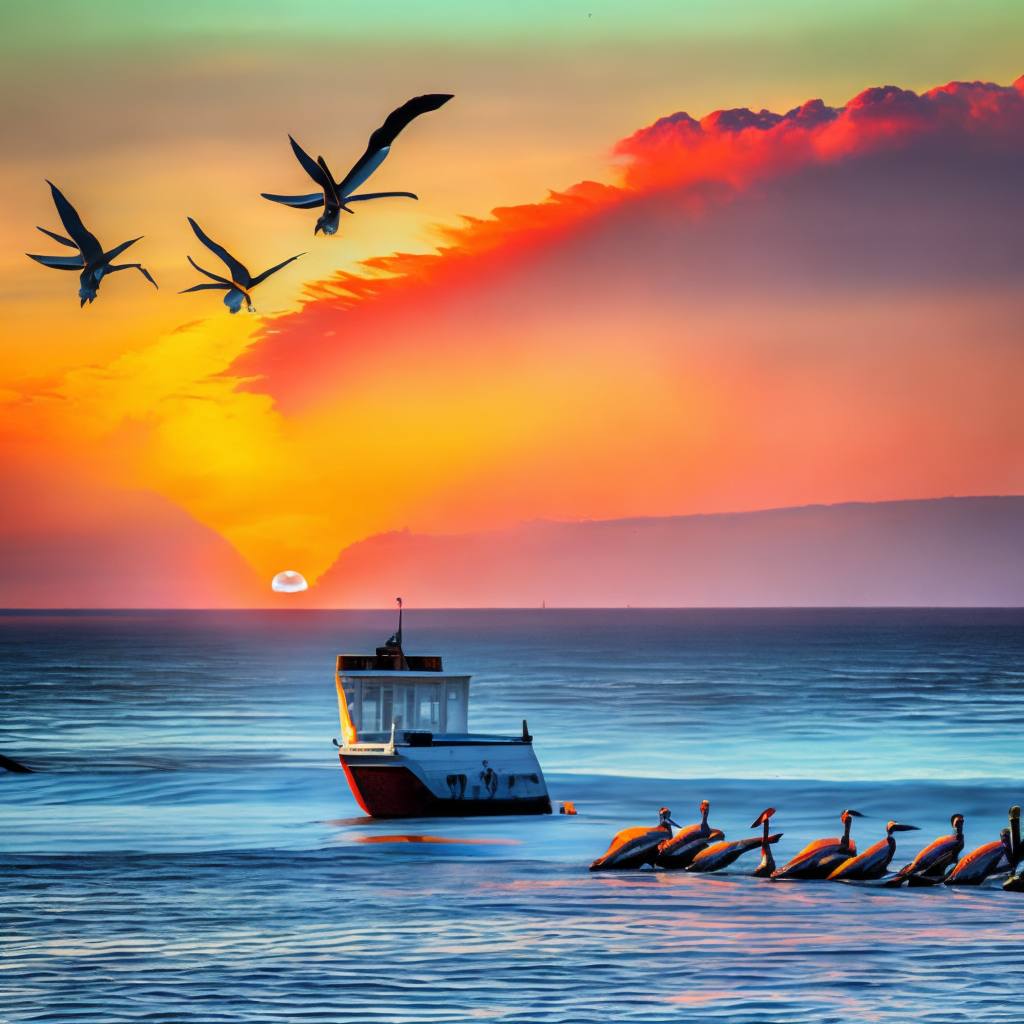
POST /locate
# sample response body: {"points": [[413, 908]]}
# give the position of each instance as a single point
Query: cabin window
{"points": [[455, 711], [418, 704], [429, 695], [370, 718]]}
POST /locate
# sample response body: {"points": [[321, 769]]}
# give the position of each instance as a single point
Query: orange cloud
{"points": [[678, 168], [739, 147]]}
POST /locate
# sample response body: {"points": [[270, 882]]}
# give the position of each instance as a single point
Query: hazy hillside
{"points": [[949, 551]]}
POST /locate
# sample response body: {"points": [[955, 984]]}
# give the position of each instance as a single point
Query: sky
{"points": [[668, 258]]}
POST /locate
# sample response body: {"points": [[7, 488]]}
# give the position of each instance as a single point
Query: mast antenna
{"points": [[402, 663]]}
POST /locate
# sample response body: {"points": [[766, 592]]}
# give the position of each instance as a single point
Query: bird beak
{"points": [[674, 824], [855, 814], [905, 828], [763, 817]]}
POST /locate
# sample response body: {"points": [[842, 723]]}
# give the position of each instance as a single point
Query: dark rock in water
{"points": [[13, 766]]}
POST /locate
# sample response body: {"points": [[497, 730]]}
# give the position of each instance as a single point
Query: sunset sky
{"points": [[667, 258]]}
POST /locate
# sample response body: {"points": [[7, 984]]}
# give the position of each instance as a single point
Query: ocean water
{"points": [[188, 849]]}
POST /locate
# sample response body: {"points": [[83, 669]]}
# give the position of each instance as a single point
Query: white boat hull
{"points": [[453, 776]]}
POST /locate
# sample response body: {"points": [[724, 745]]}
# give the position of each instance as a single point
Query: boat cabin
{"points": [[417, 698]]}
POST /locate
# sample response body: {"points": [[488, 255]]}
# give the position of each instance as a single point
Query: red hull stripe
{"points": [[355, 789], [397, 793]]}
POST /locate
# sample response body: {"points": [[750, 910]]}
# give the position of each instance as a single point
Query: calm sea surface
{"points": [[189, 851]]}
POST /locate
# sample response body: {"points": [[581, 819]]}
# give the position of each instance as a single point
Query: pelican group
{"points": [[699, 848]]}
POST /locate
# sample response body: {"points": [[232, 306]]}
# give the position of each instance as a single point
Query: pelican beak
{"points": [[763, 817], [905, 828], [674, 824], [856, 814]]}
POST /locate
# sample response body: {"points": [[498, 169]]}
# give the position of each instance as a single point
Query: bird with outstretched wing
{"points": [[92, 262], [241, 282], [334, 196]]}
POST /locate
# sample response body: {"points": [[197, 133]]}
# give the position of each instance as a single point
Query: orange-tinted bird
{"points": [[931, 864], [680, 849], [822, 857], [991, 858], [633, 847], [874, 861], [720, 855]]}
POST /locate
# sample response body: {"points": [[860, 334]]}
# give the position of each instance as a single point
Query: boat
{"points": [[406, 748]]}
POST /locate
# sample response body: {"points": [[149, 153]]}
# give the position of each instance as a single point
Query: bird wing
{"points": [[117, 250], [379, 195], [135, 266], [239, 272], [85, 240], [381, 139], [59, 262], [205, 287], [273, 270], [57, 238], [978, 863], [216, 277], [312, 168], [934, 858], [862, 863], [309, 202]]}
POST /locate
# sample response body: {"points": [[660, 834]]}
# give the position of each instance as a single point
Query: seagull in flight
{"points": [[335, 196], [241, 281], [91, 260]]}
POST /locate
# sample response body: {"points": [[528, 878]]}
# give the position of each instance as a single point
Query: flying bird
{"points": [[335, 196], [241, 281], [91, 260]]}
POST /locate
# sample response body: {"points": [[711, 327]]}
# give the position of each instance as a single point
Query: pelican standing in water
{"points": [[992, 858], [874, 861], [720, 855], [820, 858], [634, 847], [91, 260], [241, 282], [680, 849], [334, 196], [767, 865], [929, 867]]}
